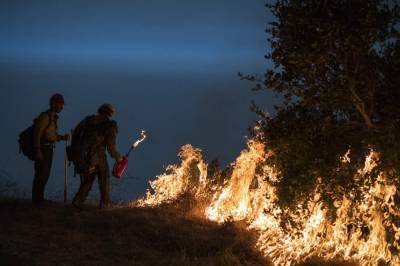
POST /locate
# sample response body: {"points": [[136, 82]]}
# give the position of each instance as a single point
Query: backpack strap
{"points": [[48, 124]]}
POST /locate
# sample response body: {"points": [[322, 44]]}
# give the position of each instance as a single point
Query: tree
{"points": [[337, 65]]}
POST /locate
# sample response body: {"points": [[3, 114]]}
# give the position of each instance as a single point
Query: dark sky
{"points": [[168, 66]]}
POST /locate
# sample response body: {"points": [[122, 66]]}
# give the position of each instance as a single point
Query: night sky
{"points": [[169, 67]]}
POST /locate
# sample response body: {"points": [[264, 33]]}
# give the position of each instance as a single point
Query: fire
{"points": [[178, 180], [141, 138], [366, 229], [234, 200]]}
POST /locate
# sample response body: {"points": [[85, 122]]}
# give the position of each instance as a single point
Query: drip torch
{"points": [[120, 167]]}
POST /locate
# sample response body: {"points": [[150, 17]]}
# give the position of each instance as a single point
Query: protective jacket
{"points": [[45, 129]]}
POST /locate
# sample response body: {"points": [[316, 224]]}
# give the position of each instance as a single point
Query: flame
{"points": [[141, 138], [177, 180], [366, 228]]}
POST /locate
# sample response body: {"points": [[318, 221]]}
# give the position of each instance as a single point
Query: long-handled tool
{"points": [[65, 172], [120, 167]]}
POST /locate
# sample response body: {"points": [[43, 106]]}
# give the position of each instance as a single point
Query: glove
{"points": [[120, 158], [64, 137]]}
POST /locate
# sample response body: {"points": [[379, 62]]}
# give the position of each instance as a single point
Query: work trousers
{"points": [[101, 170], [42, 173]]}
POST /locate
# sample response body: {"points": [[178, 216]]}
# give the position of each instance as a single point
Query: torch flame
{"points": [[141, 138]]}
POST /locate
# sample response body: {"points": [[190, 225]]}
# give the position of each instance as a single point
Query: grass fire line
{"points": [[365, 231]]}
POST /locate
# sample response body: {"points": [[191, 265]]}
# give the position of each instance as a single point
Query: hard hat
{"points": [[107, 109], [56, 98]]}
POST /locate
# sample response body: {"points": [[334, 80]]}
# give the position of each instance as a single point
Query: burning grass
{"points": [[365, 229]]}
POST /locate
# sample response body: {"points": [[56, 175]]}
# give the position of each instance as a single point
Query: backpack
{"points": [[25, 141], [86, 144]]}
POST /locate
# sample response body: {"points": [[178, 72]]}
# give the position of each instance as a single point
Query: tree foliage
{"points": [[337, 65]]}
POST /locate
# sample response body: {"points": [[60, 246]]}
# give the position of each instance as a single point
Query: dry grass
{"points": [[171, 234], [60, 235], [319, 262]]}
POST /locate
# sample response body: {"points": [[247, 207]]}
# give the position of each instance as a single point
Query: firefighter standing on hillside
{"points": [[44, 136], [91, 137]]}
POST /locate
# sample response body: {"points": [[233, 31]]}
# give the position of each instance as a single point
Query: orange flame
{"points": [[365, 230]]}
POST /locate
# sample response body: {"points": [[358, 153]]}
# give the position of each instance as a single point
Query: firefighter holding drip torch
{"points": [[90, 139]]}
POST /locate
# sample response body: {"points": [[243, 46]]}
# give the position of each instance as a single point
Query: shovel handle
{"points": [[65, 173]]}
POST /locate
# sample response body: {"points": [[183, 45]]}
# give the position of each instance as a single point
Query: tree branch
{"points": [[359, 104]]}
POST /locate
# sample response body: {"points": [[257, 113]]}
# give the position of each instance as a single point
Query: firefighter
{"points": [[44, 136], [90, 139]]}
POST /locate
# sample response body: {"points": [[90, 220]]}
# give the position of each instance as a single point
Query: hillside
{"points": [[123, 235], [60, 235]]}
